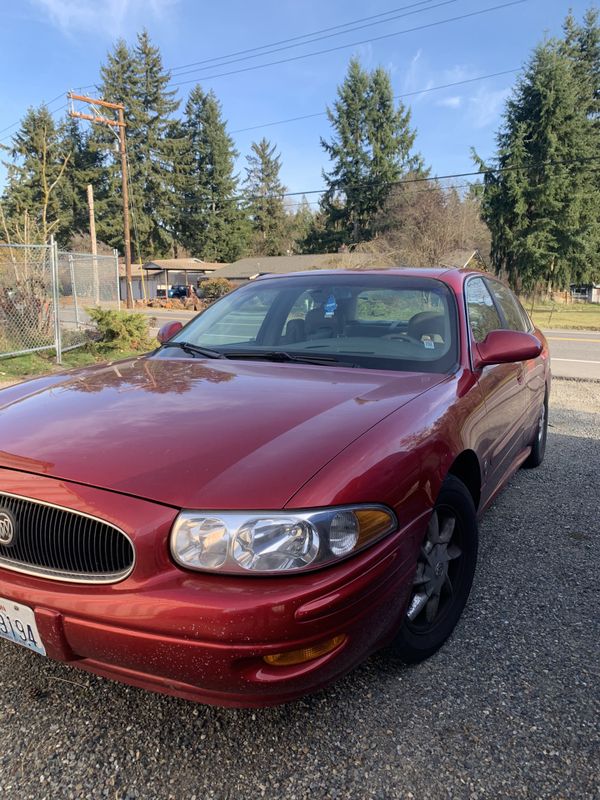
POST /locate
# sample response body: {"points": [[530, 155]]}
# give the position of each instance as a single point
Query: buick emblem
{"points": [[8, 527]]}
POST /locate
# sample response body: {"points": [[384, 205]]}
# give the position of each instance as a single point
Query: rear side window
{"points": [[483, 316], [514, 315]]}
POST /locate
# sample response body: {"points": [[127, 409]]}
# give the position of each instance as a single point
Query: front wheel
{"points": [[444, 575]]}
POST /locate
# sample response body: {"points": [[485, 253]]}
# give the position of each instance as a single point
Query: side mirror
{"points": [[168, 330], [504, 347]]}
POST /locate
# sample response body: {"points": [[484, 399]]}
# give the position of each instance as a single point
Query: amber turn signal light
{"points": [[306, 653]]}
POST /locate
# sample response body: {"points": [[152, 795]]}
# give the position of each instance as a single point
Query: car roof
{"points": [[451, 275]]}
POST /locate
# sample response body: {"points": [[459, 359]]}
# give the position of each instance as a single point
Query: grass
{"points": [[35, 364], [575, 316]]}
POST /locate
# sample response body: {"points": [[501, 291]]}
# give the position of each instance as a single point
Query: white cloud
{"points": [[364, 53], [487, 104], [455, 101], [414, 78], [108, 16], [420, 76]]}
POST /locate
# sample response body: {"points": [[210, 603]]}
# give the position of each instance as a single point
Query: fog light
{"points": [[306, 653]]}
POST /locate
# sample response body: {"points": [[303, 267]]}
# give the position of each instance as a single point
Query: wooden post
{"points": [[125, 189], [120, 124], [96, 282]]}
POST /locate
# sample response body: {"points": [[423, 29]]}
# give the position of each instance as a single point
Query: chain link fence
{"points": [[44, 294]]}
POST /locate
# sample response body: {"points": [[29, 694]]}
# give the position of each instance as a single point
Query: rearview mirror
{"points": [[168, 330], [505, 347]]}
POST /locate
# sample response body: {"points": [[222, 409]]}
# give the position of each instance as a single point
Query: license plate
{"points": [[17, 623]]}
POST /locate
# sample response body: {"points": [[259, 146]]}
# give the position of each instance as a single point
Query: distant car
{"points": [[178, 291], [302, 490]]}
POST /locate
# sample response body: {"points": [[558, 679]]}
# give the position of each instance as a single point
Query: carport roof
{"points": [[182, 264]]}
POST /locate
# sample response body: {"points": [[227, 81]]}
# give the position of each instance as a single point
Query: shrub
{"points": [[121, 328], [214, 288]]}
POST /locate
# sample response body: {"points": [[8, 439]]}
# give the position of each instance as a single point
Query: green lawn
{"points": [[34, 364], [575, 316]]}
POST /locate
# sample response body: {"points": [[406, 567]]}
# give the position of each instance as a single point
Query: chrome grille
{"points": [[43, 539]]}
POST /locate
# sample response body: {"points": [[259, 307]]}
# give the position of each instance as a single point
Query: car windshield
{"points": [[373, 321]]}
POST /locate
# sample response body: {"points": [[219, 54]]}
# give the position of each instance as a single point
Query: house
{"points": [[586, 293], [139, 286], [246, 269]]}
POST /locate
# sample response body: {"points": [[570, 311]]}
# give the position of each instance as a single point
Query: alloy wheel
{"points": [[438, 570]]}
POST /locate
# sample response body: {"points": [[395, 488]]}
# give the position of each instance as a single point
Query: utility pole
{"points": [[90, 198], [98, 119]]}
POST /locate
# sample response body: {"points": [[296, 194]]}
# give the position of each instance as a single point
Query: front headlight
{"points": [[275, 542]]}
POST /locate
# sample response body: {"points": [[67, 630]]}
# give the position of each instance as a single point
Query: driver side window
{"points": [[483, 316]]}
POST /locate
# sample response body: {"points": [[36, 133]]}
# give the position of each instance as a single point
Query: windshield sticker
{"points": [[330, 306], [428, 342]]}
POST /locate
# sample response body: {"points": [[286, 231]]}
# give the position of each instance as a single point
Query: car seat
{"points": [[427, 323]]}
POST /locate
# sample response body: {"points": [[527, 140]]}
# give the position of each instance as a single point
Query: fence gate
{"points": [[44, 294]]}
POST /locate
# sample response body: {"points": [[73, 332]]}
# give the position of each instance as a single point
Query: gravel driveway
{"points": [[509, 708]]}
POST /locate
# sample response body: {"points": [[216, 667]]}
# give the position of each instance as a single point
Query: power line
{"points": [[49, 103], [353, 44], [18, 122], [302, 36], [317, 38], [426, 179], [446, 187], [396, 97], [266, 47], [307, 55]]}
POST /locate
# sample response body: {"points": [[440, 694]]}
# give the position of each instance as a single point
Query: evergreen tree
{"points": [[370, 149], [119, 84], [264, 200], [581, 44], [136, 78], [211, 224], [541, 206], [85, 167], [32, 207], [303, 221]]}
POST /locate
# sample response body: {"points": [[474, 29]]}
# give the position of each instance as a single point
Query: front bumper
{"points": [[204, 637]]}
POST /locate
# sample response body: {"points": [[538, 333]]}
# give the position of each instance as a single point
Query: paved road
{"points": [[575, 354], [509, 708]]}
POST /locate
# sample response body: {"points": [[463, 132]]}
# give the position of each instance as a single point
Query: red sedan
{"points": [[289, 483]]}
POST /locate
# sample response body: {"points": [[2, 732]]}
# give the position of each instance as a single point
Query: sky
{"points": [[50, 46]]}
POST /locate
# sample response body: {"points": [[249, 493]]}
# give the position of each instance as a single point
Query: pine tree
{"points": [[211, 224], [581, 44], [119, 84], [264, 200], [541, 206], [31, 206], [303, 221], [85, 167], [370, 149], [153, 149], [136, 77]]}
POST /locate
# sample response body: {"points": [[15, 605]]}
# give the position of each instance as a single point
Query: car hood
{"points": [[194, 433]]}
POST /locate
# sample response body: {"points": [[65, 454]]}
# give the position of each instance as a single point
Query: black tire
{"points": [[420, 637], [538, 448]]}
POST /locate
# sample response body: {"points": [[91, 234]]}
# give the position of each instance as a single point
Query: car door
{"points": [[534, 381], [502, 386]]}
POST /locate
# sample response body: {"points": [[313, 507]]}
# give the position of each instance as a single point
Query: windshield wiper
{"points": [[194, 350], [283, 356]]}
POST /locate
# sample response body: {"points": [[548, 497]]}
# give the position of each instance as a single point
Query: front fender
{"points": [[403, 460]]}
